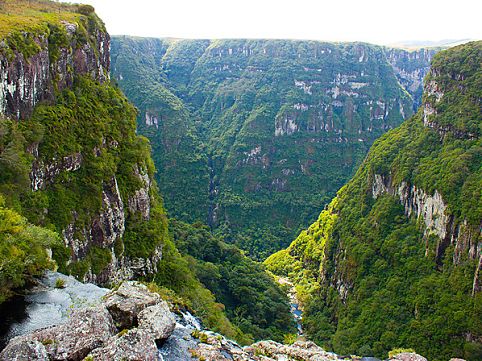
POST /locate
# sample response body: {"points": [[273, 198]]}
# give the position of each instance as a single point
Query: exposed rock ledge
{"points": [[131, 322], [432, 210]]}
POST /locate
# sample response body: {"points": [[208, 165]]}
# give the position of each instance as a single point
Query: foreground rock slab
{"points": [[129, 322], [106, 332], [86, 329], [408, 356], [134, 345], [215, 348], [29, 350]]}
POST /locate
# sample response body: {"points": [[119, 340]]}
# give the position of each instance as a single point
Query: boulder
{"points": [[86, 329], [157, 320], [300, 350], [30, 350], [135, 345], [407, 356], [125, 303]]}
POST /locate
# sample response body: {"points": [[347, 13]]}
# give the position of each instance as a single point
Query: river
{"points": [[295, 307]]}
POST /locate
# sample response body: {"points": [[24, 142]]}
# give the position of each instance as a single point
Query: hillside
{"points": [[77, 188], [243, 131], [395, 259]]}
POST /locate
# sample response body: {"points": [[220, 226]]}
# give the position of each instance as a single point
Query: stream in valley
{"points": [[296, 311]]}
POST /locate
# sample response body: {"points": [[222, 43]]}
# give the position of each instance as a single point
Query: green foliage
{"points": [[59, 283], [23, 250], [290, 338], [95, 121], [458, 77], [176, 272], [373, 280], [25, 23], [252, 299], [396, 351], [176, 148]]}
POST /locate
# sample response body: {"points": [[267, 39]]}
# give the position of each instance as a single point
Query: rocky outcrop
{"points": [[143, 319], [448, 84], [104, 229], [157, 321], [437, 220], [93, 332], [136, 344], [86, 329], [128, 301], [24, 82], [28, 350], [140, 201], [407, 356], [434, 213], [215, 348], [43, 174]]}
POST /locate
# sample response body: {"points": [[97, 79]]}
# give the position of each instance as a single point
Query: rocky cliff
{"points": [[404, 235], [35, 63], [90, 177], [261, 123]]}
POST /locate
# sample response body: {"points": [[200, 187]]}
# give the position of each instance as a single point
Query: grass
{"points": [[59, 283], [33, 15]]}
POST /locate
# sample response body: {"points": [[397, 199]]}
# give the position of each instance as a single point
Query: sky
{"points": [[374, 21]]}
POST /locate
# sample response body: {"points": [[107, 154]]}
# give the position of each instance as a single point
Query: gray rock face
{"points": [[128, 301], [140, 202], [29, 350], [26, 82], [44, 174], [86, 329], [135, 345], [157, 320], [433, 211]]}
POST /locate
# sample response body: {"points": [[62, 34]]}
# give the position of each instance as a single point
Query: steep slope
{"points": [[77, 183], [69, 155], [394, 260], [253, 126]]}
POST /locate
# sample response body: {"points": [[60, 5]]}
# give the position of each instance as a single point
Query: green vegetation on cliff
{"points": [[182, 171], [23, 250], [372, 275]]}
